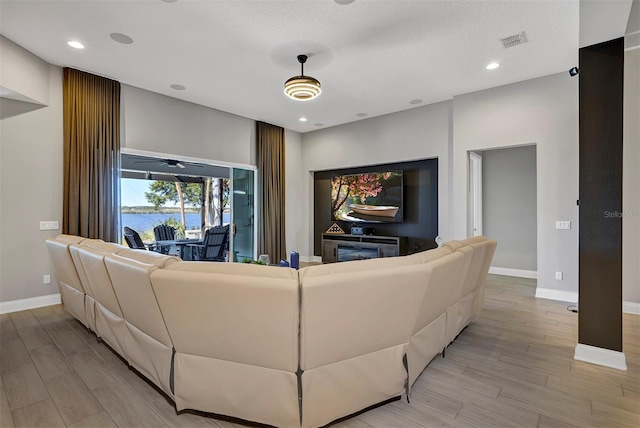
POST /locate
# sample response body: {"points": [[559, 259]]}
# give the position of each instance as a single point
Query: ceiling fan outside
{"points": [[171, 163]]}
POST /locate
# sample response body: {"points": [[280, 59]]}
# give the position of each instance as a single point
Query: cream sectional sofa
{"points": [[268, 344]]}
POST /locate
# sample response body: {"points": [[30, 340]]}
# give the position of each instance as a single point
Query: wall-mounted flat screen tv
{"points": [[372, 197]]}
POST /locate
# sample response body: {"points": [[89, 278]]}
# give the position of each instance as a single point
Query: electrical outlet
{"points": [[49, 225], [559, 276], [563, 225], [46, 279]]}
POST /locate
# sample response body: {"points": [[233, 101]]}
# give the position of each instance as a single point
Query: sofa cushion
{"points": [[246, 269], [231, 311], [427, 256], [148, 257], [474, 240], [453, 245], [104, 247], [355, 266], [70, 239]]}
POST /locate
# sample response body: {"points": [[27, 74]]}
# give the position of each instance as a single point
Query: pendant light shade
{"points": [[302, 88]]}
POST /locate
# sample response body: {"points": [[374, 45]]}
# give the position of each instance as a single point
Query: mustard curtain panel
{"points": [[91, 155], [271, 230]]}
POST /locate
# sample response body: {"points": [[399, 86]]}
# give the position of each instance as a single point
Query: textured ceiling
{"points": [[371, 57]]}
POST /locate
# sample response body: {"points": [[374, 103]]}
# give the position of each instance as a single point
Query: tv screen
{"points": [[372, 197]]}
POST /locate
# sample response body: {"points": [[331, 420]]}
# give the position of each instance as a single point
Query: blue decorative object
{"points": [[284, 263], [294, 260]]}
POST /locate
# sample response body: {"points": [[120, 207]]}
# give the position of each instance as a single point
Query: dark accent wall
{"points": [[600, 248], [420, 204]]}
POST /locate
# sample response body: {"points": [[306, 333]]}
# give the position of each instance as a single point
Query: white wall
{"points": [[293, 191], [543, 111], [509, 213], [630, 183], [30, 191], [23, 73], [419, 133], [157, 123]]}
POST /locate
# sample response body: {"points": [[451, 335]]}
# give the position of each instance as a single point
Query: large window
{"points": [[190, 197], [188, 207]]}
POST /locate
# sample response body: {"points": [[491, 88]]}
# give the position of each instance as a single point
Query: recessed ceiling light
{"points": [[318, 124], [303, 119], [121, 38], [493, 66], [416, 101], [75, 44], [178, 87], [344, 2], [362, 114]]}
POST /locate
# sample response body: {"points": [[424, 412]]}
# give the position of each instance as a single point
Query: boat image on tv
{"points": [[374, 210], [374, 197]]}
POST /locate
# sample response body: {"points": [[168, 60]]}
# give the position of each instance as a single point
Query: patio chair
{"points": [[133, 239], [164, 232], [214, 245]]}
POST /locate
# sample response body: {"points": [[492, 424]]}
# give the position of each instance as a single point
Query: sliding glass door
{"points": [[243, 214]]}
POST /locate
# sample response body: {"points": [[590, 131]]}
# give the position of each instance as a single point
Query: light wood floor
{"points": [[513, 367]]}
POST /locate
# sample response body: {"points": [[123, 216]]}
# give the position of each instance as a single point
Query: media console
{"points": [[345, 247]]}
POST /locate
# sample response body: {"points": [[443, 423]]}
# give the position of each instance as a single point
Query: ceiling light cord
{"points": [[302, 59]]}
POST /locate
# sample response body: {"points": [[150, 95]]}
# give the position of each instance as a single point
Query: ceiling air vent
{"points": [[515, 40]]}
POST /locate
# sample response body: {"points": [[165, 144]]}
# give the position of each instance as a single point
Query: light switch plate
{"points": [[559, 276], [563, 225], [49, 225]]}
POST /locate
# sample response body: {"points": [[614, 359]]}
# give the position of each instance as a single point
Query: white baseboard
{"points": [[600, 356], [312, 259], [561, 295], [631, 307], [30, 303], [520, 273]]}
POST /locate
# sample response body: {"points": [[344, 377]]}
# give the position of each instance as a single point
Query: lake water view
{"points": [[146, 222]]}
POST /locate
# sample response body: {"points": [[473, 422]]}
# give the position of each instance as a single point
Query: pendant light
{"points": [[302, 88]]}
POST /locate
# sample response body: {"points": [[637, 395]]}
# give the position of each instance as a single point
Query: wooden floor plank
{"points": [[167, 412], [23, 319], [42, 415], [81, 331], [484, 417], [45, 315], [424, 414], [101, 420], [50, 362], [34, 336], [92, 370], [351, 423], [65, 339], [142, 387], [7, 329], [447, 405], [72, 398], [125, 408], [549, 422], [24, 387], [13, 354], [383, 417], [541, 398], [507, 410], [6, 420]]}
